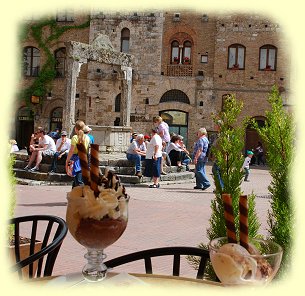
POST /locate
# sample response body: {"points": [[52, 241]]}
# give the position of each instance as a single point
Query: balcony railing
{"points": [[179, 70]]}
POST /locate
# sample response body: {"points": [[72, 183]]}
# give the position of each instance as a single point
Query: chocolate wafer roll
{"points": [[243, 221], [94, 168], [83, 157], [229, 217]]}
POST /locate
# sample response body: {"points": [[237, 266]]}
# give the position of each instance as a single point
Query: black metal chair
{"points": [[52, 231], [146, 255]]}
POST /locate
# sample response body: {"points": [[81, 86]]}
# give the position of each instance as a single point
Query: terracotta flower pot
{"points": [[24, 253]]}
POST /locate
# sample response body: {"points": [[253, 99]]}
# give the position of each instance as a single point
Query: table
{"points": [[124, 279]]}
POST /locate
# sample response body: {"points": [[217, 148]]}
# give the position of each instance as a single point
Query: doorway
{"points": [[24, 127], [177, 121]]}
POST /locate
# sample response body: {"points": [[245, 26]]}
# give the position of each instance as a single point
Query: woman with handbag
{"points": [[73, 167]]}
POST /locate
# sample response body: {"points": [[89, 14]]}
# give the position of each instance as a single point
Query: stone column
{"points": [[73, 68], [126, 95]]}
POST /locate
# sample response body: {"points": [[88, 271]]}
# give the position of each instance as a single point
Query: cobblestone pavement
{"points": [[173, 215]]}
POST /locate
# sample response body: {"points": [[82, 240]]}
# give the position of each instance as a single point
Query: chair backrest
{"points": [[50, 231], [146, 255]]}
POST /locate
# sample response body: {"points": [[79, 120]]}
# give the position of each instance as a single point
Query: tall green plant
{"points": [[278, 136], [229, 158], [12, 193]]}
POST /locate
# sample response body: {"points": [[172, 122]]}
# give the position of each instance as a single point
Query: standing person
{"points": [[78, 138], [136, 153], [260, 153], [63, 146], [153, 159], [200, 159], [163, 132], [163, 129], [45, 147], [246, 165]]}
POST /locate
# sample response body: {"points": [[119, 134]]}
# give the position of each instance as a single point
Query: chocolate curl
{"points": [[94, 168], [83, 158], [229, 217], [243, 221]]}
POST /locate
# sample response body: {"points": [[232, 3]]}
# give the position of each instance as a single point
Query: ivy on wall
{"points": [[44, 32]]}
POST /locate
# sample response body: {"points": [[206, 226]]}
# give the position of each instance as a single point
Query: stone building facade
{"points": [[185, 63]]}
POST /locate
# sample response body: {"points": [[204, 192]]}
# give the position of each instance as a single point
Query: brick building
{"points": [[185, 64]]}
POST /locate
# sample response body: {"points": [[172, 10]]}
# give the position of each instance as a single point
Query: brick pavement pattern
{"points": [[173, 215]]}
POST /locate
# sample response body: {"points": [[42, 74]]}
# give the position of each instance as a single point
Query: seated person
{"points": [[62, 149], [136, 152], [174, 152], [34, 142], [87, 131], [185, 154], [46, 147], [14, 146]]}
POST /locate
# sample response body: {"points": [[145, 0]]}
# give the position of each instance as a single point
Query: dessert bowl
{"points": [[236, 265]]}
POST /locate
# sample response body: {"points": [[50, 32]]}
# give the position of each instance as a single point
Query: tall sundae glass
{"points": [[97, 216]]}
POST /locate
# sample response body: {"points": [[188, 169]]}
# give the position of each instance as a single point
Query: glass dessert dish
{"points": [[235, 265], [96, 220]]}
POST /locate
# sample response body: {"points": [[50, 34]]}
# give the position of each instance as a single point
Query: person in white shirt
{"points": [[153, 159], [46, 147], [63, 145], [246, 165], [136, 153]]}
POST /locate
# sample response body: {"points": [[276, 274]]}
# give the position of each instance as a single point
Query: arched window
{"points": [[236, 56], [175, 58], [31, 60], [125, 37], [56, 118], [187, 46], [117, 103], [175, 95], [60, 58], [267, 57]]}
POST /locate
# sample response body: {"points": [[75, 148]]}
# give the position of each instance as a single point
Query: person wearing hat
{"points": [[63, 145], [87, 131], [133, 137], [246, 165]]}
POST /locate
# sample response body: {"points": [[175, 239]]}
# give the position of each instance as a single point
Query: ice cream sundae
{"points": [[96, 222], [97, 213]]}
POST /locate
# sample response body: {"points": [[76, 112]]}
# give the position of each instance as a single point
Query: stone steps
{"points": [[122, 167]]}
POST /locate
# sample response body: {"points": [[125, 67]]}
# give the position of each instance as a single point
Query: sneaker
{"points": [[154, 186], [34, 169], [139, 174], [204, 188], [51, 172], [27, 168], [196, 187]]}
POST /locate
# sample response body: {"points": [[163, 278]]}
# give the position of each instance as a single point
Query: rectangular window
{"points": [[125, 46], [204, 59], [263, 58], [240, 58], [232, 56], [65, 16]]}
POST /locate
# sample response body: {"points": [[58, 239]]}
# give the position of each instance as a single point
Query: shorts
{"points": [[48, 152]]}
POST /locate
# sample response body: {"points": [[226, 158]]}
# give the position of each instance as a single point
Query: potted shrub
{"points": [[176, 60], [186, 60]]}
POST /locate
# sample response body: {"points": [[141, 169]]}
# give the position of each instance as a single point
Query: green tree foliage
{"points": [[44, 33], [278, 136], [228, 156], [12, 193]]}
